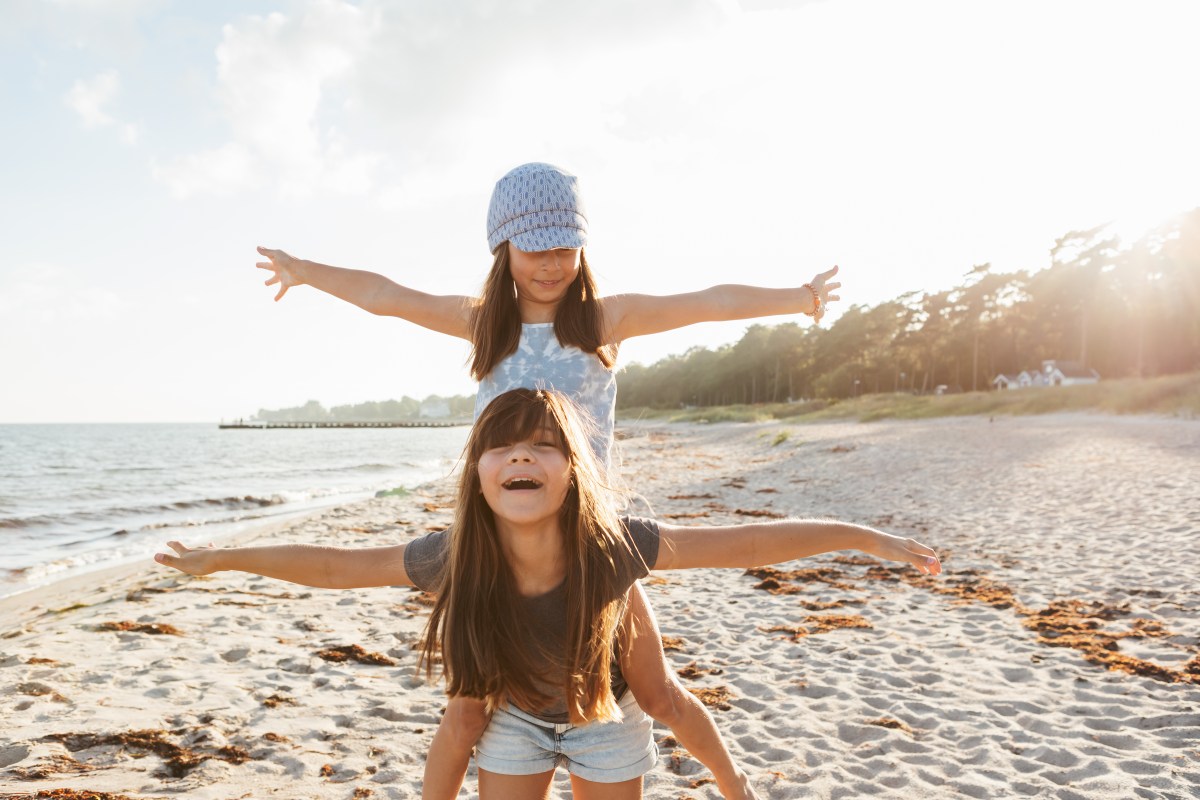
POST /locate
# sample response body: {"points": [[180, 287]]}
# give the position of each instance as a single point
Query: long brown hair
{"points": [[496, 322], [478, 623]]}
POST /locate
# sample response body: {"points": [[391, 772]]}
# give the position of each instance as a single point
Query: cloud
{"points": [[87, 98], [222, 171], [279, 78], [131, 134], [361, 98]]}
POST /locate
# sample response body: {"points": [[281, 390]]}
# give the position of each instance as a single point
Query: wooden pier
{"points": [[423, 423]]}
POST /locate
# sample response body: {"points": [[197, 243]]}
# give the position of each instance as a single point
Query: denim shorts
{"points": [[516, 743]]}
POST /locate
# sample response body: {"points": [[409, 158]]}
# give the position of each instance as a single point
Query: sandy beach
{"points": [[1058, 656]]}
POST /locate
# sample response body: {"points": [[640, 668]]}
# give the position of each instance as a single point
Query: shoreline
{"points": [[828, 677], [114, 577], [223, 532], [128, 575], [89, 497]]}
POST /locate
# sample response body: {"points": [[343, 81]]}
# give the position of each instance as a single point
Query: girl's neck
{"points": [[536, 313], [535, 553]]}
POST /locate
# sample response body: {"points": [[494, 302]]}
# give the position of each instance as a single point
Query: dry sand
{"points": [[1057, 657]]}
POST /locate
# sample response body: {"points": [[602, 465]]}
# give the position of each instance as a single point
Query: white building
{"points": [[1053, 373], [435, 408], [1068, 373]]}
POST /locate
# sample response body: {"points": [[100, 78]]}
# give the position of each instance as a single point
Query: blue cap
{"points": [[537, 207]]}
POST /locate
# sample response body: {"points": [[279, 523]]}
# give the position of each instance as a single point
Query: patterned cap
{"points": [[537, 207]]}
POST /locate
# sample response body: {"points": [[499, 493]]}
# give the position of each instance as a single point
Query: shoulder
{"points": [[643, 535], [425, 559], [614, 310]]}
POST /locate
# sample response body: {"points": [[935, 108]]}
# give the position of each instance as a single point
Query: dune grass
{"points": [[1171, 395]]}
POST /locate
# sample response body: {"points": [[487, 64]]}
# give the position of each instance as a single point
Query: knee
{"points": [[464, 721], [663, 701]]}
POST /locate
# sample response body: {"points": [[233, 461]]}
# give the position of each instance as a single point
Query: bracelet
{"points": [[816, 301]]}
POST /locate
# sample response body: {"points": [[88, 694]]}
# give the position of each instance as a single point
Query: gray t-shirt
{"points": [[425, 559]]}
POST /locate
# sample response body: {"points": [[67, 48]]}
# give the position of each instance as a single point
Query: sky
{"points": [[147, 146]]}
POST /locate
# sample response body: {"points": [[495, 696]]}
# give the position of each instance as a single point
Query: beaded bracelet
{"points": [[816, 301]]}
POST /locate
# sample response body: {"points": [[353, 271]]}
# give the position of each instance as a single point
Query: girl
{"points": [[540, 322], [531, 580]]}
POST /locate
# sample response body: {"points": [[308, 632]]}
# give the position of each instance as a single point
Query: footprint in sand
{"points": [[236, 654], [13, 754]]}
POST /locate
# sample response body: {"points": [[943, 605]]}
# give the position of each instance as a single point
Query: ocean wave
{"points": [[76, 518], [354, 468], [247, 501], [196, 523]]}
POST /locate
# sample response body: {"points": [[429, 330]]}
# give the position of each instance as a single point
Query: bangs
{"points": [[517, 416]]}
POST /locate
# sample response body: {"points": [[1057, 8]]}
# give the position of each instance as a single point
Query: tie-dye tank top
{"points": [[540, 362]]}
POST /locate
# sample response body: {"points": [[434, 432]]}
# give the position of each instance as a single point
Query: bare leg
{"points": [[494, 786], [660, 695], [450, 753], [591, 790]]}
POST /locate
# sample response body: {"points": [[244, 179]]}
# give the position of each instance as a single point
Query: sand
{"points": [[1057, 657]]}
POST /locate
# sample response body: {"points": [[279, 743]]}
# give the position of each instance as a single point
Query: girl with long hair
{"points": [[532, 581], [540, 322]]}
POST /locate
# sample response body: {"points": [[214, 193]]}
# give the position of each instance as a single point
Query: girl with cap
{"points": [[532, 580], [540, 322]]}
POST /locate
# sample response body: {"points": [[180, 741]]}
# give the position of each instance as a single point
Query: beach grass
{"points": [[1171, 395]]}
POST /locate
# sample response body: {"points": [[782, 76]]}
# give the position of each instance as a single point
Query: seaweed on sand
{"points": [[157, 628], [177, 759], [354, 652]]}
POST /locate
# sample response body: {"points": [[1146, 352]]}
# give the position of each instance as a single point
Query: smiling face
{"points": [[542, 279], [525, 479]]}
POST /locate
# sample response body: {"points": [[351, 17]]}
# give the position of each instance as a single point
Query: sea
{"points": [[76, 498]]}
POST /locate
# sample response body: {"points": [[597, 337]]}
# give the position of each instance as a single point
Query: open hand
{"points": [[896, 548], [284, 268], [193, 561], [825, 290]]}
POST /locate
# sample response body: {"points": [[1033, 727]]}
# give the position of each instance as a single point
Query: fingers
{"points": [[827, 274], [922, 557], [826, 290], [277, 277], [274, 255], [181, 561], [170, 561]]}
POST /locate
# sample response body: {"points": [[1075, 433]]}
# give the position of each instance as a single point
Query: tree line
{"points": [[1123, 311], [372, 411]]}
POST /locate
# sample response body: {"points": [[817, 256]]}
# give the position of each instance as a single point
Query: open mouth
{"points": [[521, 484]]}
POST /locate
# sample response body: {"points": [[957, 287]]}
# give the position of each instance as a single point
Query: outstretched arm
{"points": [[449, 314], [310, 565], [760, 543], [629, 315]]}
